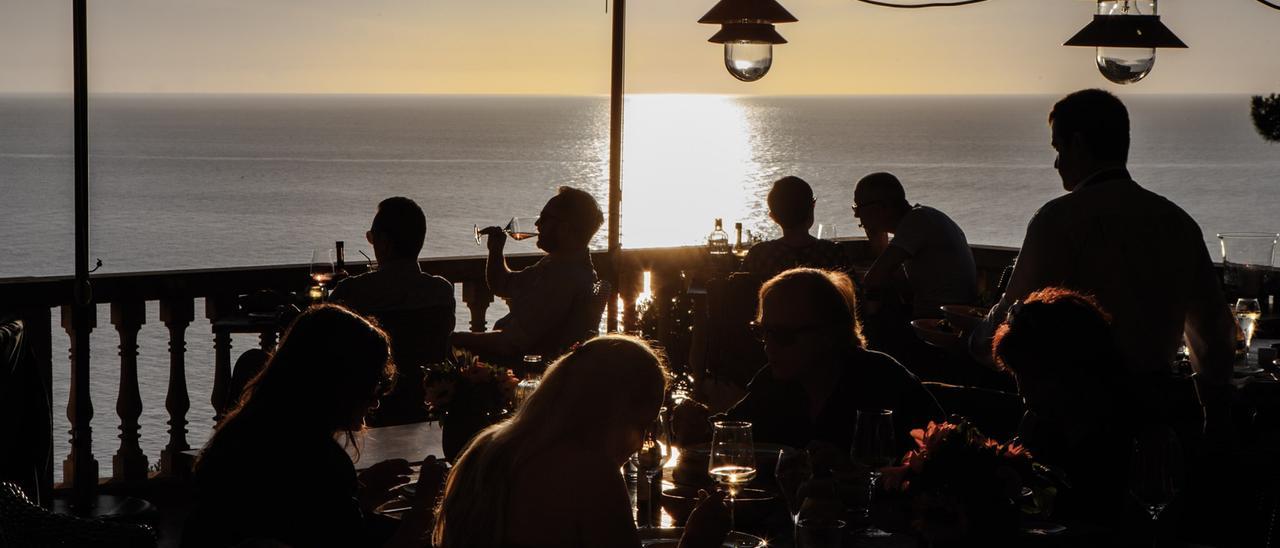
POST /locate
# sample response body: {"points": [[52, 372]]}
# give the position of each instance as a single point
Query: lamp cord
{"points": [[1269, 4], [933, 4]]}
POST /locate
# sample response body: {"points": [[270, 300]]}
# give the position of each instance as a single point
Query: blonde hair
{"points": [[606, 383]]}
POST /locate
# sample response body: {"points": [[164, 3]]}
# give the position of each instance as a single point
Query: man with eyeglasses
{"points": [[928, 251]]}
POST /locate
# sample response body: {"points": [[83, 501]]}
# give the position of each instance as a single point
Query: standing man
{"points": [[1139, 254], [553, 303]]}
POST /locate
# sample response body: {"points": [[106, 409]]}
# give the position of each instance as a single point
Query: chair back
{"points": [[419, 336], [24, 523], [25, 413], [733, 353]]}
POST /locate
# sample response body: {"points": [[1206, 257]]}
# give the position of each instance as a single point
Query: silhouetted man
{"points": [[416, 309], [1141, 255], [553, 303], [927, 247], [791, 206]]}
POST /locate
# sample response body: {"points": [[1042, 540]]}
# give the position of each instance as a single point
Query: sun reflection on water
{"points": [[687, 159]]}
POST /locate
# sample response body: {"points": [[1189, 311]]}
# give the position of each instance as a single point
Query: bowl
{"points": [[750, 506], [939, 333], [962, 316]]}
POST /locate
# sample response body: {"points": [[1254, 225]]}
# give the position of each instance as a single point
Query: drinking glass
{"points": [[655, 451], [826, 231], [1156, 471], [874, 448], [1244, 258], [793, 470], [1248, 312], [733, 458], [518, 228], [322, 265]]}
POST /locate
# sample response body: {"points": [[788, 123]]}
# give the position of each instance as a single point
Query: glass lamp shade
{"points": [[1125, 65], [748, 61]]}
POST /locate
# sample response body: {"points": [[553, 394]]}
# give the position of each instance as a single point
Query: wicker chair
{"points": [[23, 523]]}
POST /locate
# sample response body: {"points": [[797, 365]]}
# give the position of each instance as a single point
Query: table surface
{"points": [[411, 442]]}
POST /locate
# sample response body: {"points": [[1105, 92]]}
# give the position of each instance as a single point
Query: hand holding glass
{"points": [[518, 228]]}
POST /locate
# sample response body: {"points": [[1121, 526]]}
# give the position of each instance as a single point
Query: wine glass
{"points": [[322, 265], [874, 448], [1155, 473], [733, 458], [655, 451], [793, 470], [518, 228], [1247, 312]]}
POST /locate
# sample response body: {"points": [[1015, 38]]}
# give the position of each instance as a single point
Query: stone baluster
{"points": [[80, 469], [214, 308], [478, 297], [129, 464], [176, 314], [267, 341]]}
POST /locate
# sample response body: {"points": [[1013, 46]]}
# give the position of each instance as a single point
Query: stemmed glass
{"points": [[518, 228], [655, 451], [1155, 473], [1247, 312], [793, 470], [874, 448], [322, 265], [733, 458]]}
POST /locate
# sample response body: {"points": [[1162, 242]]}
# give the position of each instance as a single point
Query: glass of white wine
{"points": [[322, 265], [1248, 312], [733, 458]]}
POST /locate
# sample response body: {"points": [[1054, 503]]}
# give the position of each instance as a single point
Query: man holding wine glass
{"points": [[552, 301]]}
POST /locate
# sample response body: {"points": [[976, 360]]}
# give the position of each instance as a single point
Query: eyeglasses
{"points": [[784, 336], [857, 206]]}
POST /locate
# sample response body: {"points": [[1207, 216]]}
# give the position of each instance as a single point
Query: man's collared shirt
{"points": [[549, 304]]}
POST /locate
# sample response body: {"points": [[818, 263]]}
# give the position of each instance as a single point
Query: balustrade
{"points": [[177, 291]]}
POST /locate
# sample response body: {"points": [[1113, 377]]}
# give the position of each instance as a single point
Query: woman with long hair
{"points": [[274, 469], [549, 475]]}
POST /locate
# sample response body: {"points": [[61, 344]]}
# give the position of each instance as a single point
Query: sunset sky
{"points": [[562, 47]]}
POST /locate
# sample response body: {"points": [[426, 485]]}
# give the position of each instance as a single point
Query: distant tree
{"points": [[1266, 116]]}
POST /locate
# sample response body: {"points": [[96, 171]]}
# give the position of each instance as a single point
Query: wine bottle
{"points": [[339, 261]]}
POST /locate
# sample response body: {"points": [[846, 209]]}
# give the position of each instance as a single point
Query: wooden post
{"points": [[129, 464], [214, 308], [80, 469], [477, 296], [176, 314]]}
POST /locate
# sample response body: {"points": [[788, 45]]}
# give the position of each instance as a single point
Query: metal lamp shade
{"points": [[747, 11], [1126, 31], [755, 33]]}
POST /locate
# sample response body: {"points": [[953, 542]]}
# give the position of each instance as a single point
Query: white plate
{"points": [[670, 536]]}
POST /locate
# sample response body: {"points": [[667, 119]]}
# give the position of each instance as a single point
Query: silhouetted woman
{"points": [[820, 373], [1058, 345], [549, 476], [274, 469]]}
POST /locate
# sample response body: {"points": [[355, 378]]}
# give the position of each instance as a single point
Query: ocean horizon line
{"points": [[248, 94]]}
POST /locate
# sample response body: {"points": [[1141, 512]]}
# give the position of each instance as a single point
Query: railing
{"points": [[177, 292]]}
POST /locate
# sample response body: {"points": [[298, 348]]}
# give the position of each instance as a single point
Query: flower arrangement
{"points": [[467, 381], [963, 486]]}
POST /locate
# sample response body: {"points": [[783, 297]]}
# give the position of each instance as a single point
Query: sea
{"points": [[200, 181]]}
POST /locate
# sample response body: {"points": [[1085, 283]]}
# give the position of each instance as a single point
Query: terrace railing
{"points": [[35, 300]]}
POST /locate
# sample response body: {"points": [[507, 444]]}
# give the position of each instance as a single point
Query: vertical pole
{"points": [[84, 479], [617, 82]]}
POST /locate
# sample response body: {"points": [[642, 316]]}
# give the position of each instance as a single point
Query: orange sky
{"points": [[561, 47]]}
